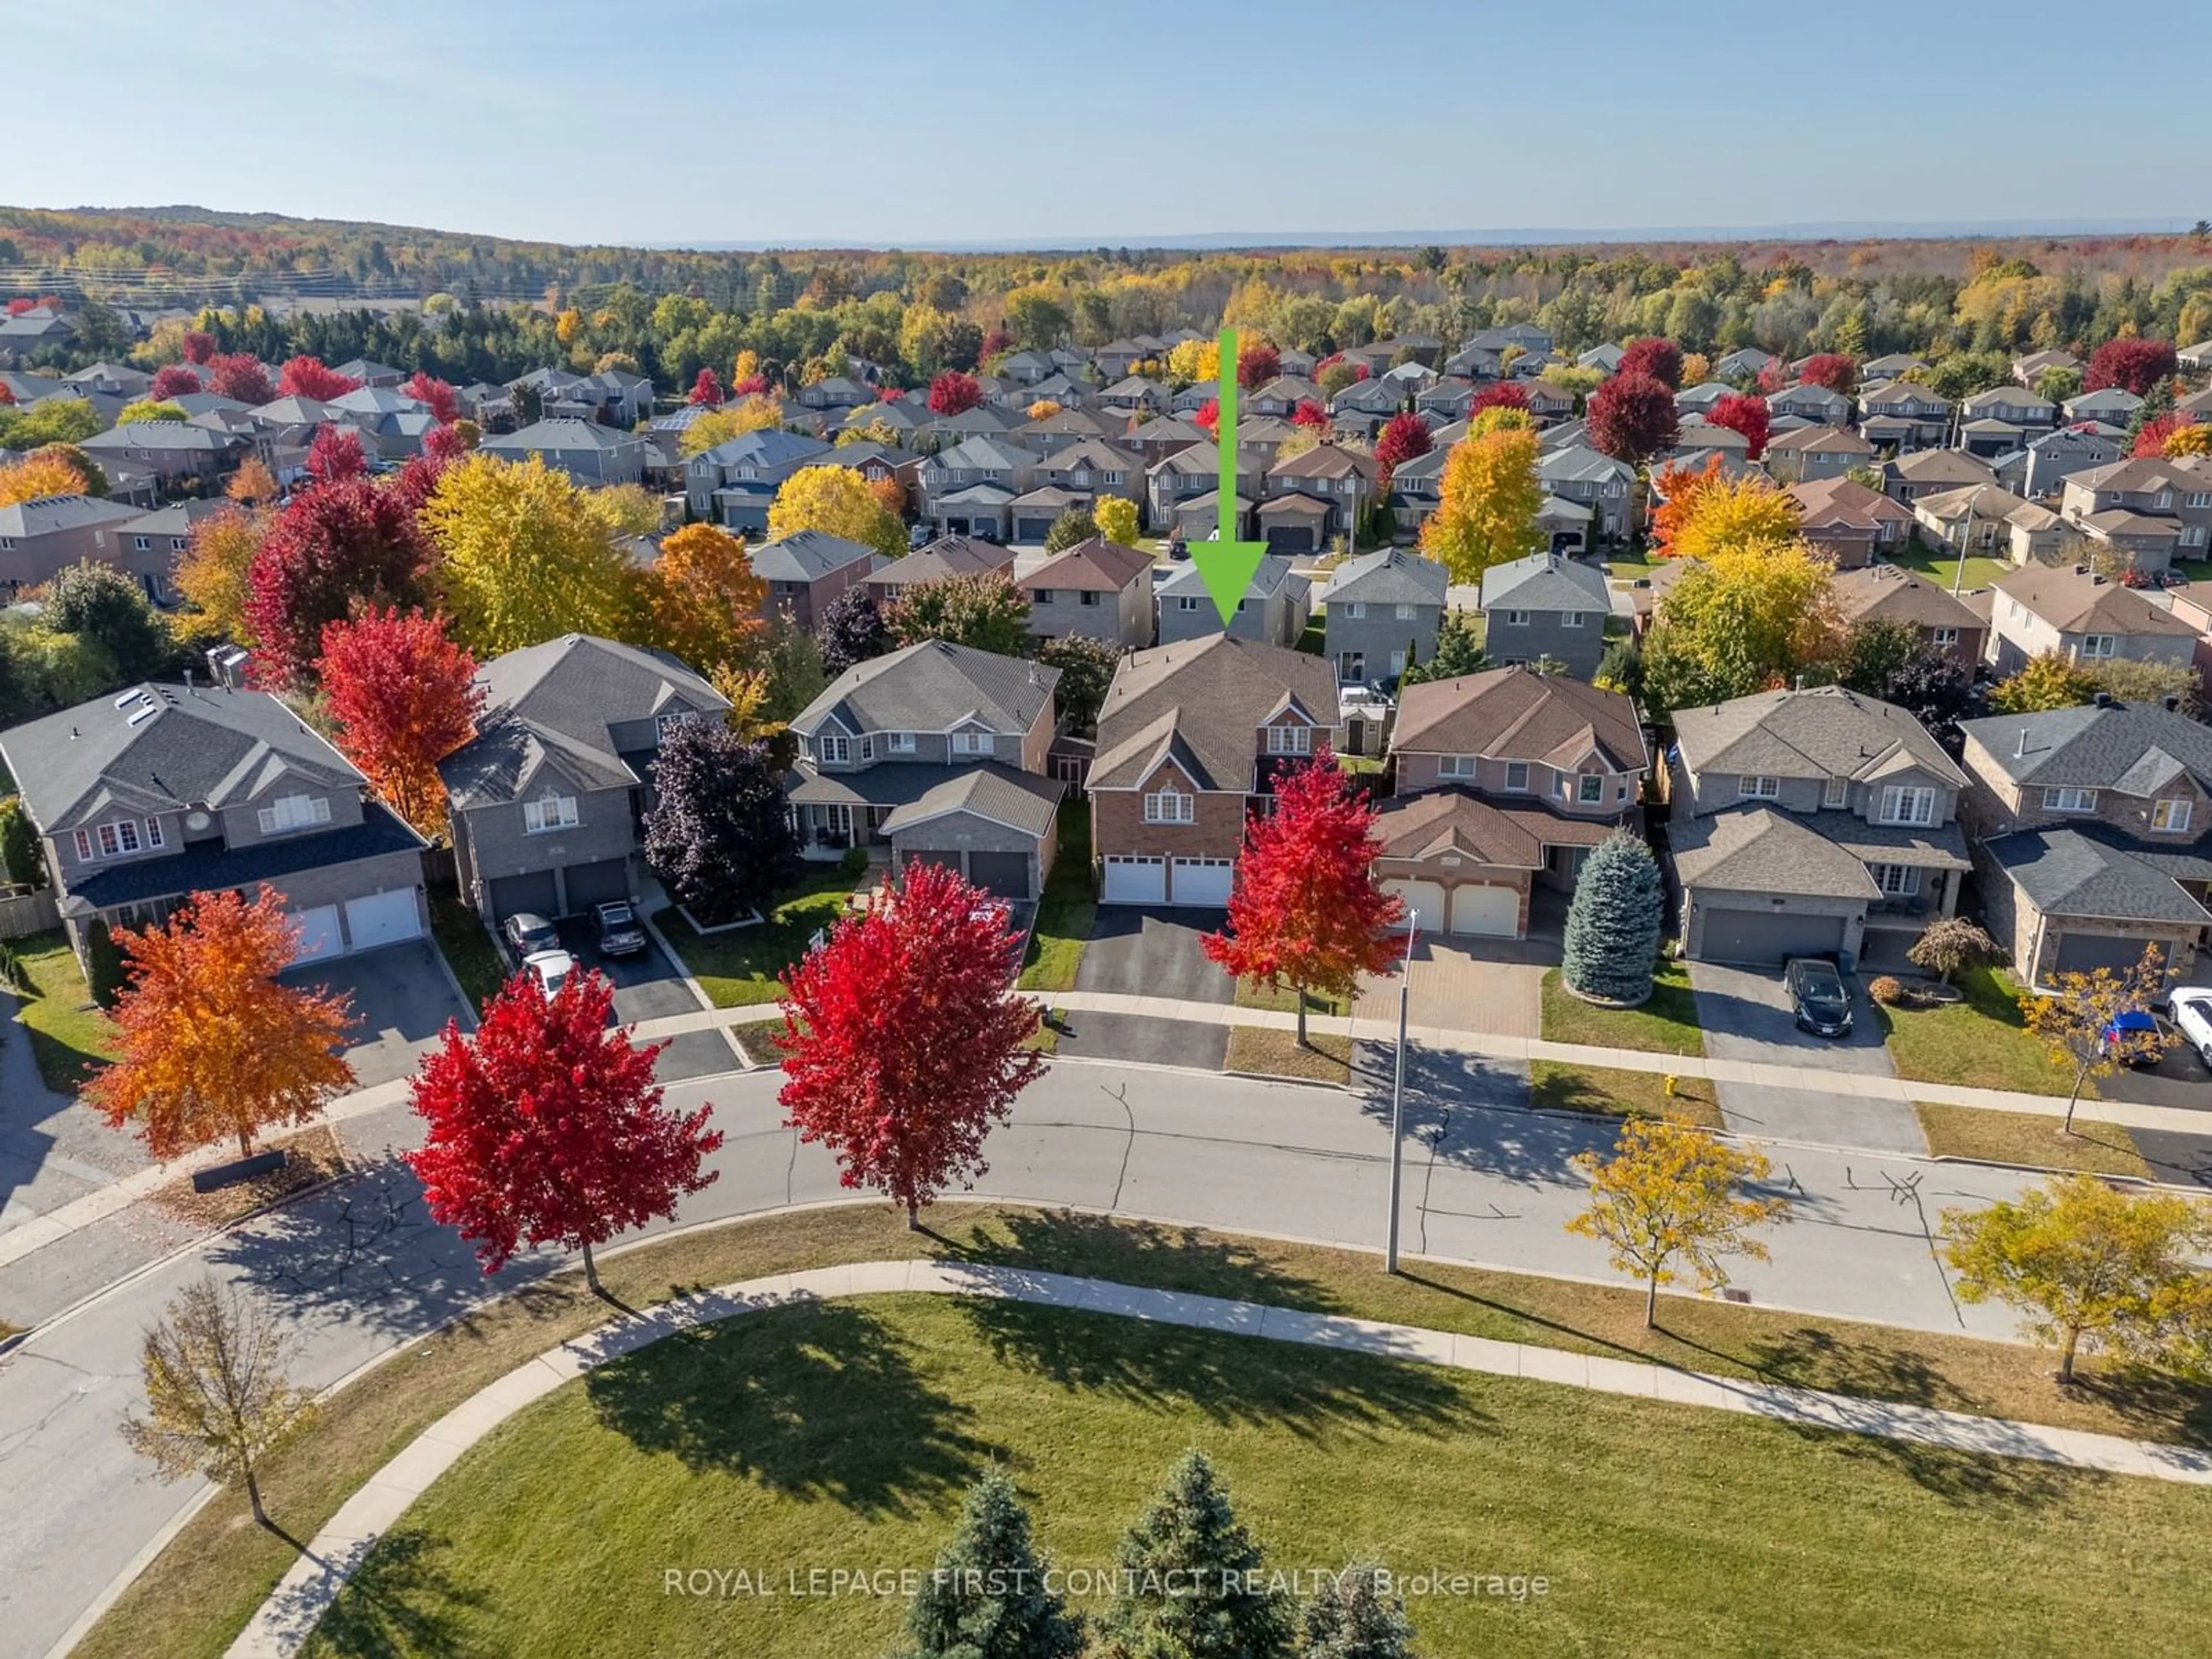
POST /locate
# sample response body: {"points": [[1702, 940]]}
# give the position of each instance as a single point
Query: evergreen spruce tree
{"points": [[1354, 1618], [1613, 925], [1182, 1593], [105, 970], [987, 1599]]}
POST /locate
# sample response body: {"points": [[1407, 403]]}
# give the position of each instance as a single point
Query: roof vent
{"points": [[2020, 749], [2170, 703], [2104, 700]]}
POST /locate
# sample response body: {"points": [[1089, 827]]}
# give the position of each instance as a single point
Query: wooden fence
{"points": [[26, 914]]}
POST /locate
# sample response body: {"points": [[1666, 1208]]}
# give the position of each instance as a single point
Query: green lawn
{"points": [[1270, 1053], [1617, 1093], [741, 968], [2031, 1138], [469, 949], [194, 1597], [843, 1435], [1941, 567], [1668, 1024], [1067, 908], [65, 1029], [1979, 1042], [1253, 994]]}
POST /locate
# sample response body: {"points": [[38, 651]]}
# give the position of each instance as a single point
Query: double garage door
{"points": [[1007, 874], [2084, 953], [380, 919], [1766, 936], [1480, 912], [1201, 883], [539, 893]]}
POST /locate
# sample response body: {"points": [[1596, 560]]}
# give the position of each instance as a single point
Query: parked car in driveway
{"points": [[528, 934], [619, 933], [2192, 1018], [2136, 1037], [550, 969], [1819, 1000]]}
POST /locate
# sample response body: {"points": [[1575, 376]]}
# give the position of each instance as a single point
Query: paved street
{"points": [[359, 1268]]}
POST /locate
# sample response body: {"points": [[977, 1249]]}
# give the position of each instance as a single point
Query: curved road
{"points": [[359, 1269]]}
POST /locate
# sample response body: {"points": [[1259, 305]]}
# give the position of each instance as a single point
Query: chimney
{"points": [[188, 683]]}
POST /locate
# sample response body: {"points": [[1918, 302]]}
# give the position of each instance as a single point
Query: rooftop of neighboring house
{"points": [[159, 434], [1824, 502], [1576, 462], [1269, 577], [1902, 392], [2138, 475], [1093, 565], [1892, 594], [376, 400], [1826, 732], [2092, 870], [1201, 703], [1520, 713], [770, 447], [806, 555], [1983, 501], [933, 686], [1545, 581], [982, 454], [177, 519], [1821, 440], [558, 702], [1942, 466], [2074, 599], [1019, 800], [1762, 850], [2136, 748], [45, 515], [2010, 397], [948, 556], [1388, 576], [562, 432], [1325, 460], [163, 748]]}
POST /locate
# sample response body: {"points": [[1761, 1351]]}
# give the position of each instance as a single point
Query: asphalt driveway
{"points": [[2176, 1155], [2179, 1078], [648, 986], [402, 999], [1141, 953], [1140, 1037]]}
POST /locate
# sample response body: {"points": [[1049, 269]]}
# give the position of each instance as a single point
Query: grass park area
{"points": [[1869, 1535], [1667, 1024], [2030, 1139], [1981, 1043], [1602, 1089], [65, 1029], [741, 967]]}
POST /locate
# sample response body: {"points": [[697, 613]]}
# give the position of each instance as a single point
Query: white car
{"points": [[550, 969], [2192, 1018]]}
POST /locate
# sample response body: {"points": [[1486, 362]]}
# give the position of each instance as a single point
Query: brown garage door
{"points": [[1007, 874], [1762, 936], [2084, 953]]}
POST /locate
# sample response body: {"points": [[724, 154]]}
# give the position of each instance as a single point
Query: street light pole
{"points": [[1398, 1100]]}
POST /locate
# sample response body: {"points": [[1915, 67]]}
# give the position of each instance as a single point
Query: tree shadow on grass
{"points": [[1143, 1252], [400, 1599], [2156, 1407], [819, 1401]]}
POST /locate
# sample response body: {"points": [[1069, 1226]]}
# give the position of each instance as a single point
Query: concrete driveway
{"points": [[402, 999], [1142, 952], [1467, 985], [1746, 1015]]}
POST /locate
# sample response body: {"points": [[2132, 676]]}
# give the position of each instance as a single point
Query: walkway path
{"points": [[288, 1617]]}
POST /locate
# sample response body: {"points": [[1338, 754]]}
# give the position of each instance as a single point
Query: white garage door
{"points": [[1136, 881], [1425, 903], [1494, 912], [319, 934], [386, 919], [1203, 881]]}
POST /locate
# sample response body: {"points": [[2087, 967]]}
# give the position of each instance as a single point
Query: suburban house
{"points": [[938, 751], [1546, 605], [1417, 488], [1986, 521], [1849, 522], [143, 799], [44, 536], [1813, 452], [1816, 822], [948, 556], [2089, 829], [1179, 479], [1890, 592], [2012, 406], [177, 452], [1096, 588], [1575, 473], [1190, 739], [734, 483], [2112, 405], [1742, 364], [1900, 415], [1816, 404], [1314, 496], [808, 568], [2083, 616], [2047, 462], [547, 799], [613, 395], [2035, 364], [588, 452], [2154, 510], [1273, 609], [1504, 779], [1382, 611], [1930, 472]]}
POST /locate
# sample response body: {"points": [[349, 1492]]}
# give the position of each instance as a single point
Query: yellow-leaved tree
{"points": [[1722, 513], [753, 414], [2195, 438], [44, 474], [1117, 518], [837, 501], [212, 574], [2046, 681], [527, 556], [1490, 498], [1749, 617]]}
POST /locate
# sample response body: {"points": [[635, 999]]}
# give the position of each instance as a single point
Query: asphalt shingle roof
{"points": [[1545, 581], [1824, 733], [1205, 700], [2088, 873], [1764, 851], [1519, 713], [1020, 800], [1389, 575], [805, 555], [2096, 748], [207, 867], [933, 687]]}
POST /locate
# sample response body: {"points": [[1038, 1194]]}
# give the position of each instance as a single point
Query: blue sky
{"points": [[905, 124]]}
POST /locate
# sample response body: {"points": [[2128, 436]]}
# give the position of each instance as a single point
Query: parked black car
{"points": [[528, 933], [1818, 997], [620, 933]]}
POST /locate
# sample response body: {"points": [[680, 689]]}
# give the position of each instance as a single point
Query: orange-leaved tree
{"points": [[404, 697], [34, 476], [210, 1044], [1306, 910], [704, 599]]}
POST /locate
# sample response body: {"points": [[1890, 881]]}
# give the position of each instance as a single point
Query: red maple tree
{"points": [[2131, 363], [1661, 359], [753, 386], [1208, 416], [1774, 376], [707, 389], [1403, 437], [954, 393], [1832, 369], [2150, 438], [336, 454], [434, 394], [199, 346], [1739, 411], [22, 303], [1306, 910], [344, 541], [1257, 363], [404, 697], [6, 398], [904, 1039], [242, 376], [1309, 413], [311, 377], [1632, 417], [546, 1127], [173, 380]]}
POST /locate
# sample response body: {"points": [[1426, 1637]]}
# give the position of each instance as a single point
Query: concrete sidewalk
{"points": [[287, 1618]]}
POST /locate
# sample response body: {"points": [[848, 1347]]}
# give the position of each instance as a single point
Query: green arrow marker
{"points": [[1224, 563]]}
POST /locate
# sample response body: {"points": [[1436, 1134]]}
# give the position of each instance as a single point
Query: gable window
{"points": [[2070, 800], [294, 812], [549, 812], [899, 743], [1170, 807], [1406, 612], [84, 846], [1516, 776], [1762, 788], [2099, 645], [1837, 792], [1590, 788], [1896, 880], [832, 750], [1905, 803], [971, 743], [2169, 817], [1945, 636], [1355, 609], [664, 724], [1186, 602], [1455, 766], [1087, 596], [867, 748], [1290, 740], [1515, 619], [1042, 596]]}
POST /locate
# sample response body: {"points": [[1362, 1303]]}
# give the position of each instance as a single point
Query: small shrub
{"points": [[1887, 991], [855, 861]]}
